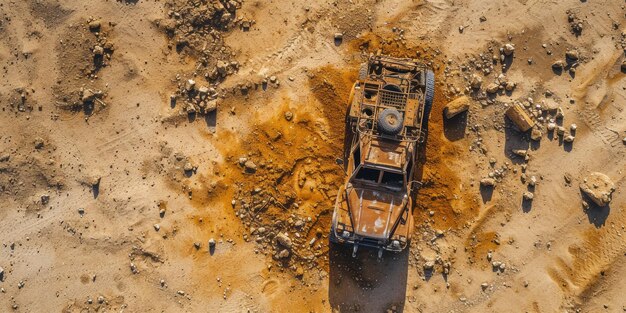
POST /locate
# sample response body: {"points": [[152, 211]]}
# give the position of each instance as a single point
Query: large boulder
{"points": [[457, 106], [598, 187]]}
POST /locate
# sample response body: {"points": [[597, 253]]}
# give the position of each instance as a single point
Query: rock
{"points": [[222, 68], [284, 241], [476, 81], [558, 65], [488, 182], [502, 266], [203, 91], [211, 106], [157, 227], [528, 196], [338, 36], [520, 152], [492, 88], [211, 242], [510, 86], [299, 272], [190, 85], [249, 166], [5, 157], [568, 138], [94, 180], [457, 106], [81, 211], [598, 187], [508, 49], [525, 283], [196, 245], [283, 254], [95, 25], [572, 54], [133, 268], [39, 143], [484, 286], [573, 127], [533, 181], [551, 126], [98, 50], [428, 266], [288, 115], [536, 134], [188, 167], [560, 130], [45, 199], [1, 273], [518, 115]]}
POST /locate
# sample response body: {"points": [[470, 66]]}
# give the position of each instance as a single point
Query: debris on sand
{"points": [[456, 106], [598, 187]]}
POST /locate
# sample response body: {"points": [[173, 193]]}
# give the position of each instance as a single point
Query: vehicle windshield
{"points": [[388, 179]]}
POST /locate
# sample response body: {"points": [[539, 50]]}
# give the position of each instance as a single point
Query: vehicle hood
{"points": [[374, 212]]}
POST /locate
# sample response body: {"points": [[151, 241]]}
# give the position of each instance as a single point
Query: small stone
{"points": [[429, 265], [569, 138], [250, 166], [492, 88], [196, 245], [528, 196], [95, 25], [488, 182], [283, 254], [299, 272], [560, 130], [188, 167], [535, 134], [284, 240], [81, 211], [190, 85], [572, 55], [484, 286], [273, 79], [181, 292], [502, 266], [288, 115], [156, 227], [338, 36], [573, 127], [551, 126], [98, 50], [558, 65], [39, 143], [476, 81], [133, 268], [510, 86], [526, 283], [211, 242], [520, 152], [508, 49]]}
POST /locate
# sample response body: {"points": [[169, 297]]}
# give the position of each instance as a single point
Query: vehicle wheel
{"points": [[390, 121], [363, 71], [428, 98]]}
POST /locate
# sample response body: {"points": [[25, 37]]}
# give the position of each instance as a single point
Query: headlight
{"points": [[395, 244], [345, 234]]}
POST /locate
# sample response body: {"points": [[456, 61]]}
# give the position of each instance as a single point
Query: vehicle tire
{"points": [[390, 121], [363, 71], [429, 96]]}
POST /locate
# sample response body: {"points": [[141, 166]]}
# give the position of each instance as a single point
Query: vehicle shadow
{"points": [[364, 283]]}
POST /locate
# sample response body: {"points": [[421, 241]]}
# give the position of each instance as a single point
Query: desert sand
{"points": [[181, 156]]}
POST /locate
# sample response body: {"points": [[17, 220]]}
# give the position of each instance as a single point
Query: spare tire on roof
{"points": [[390, 121]]}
